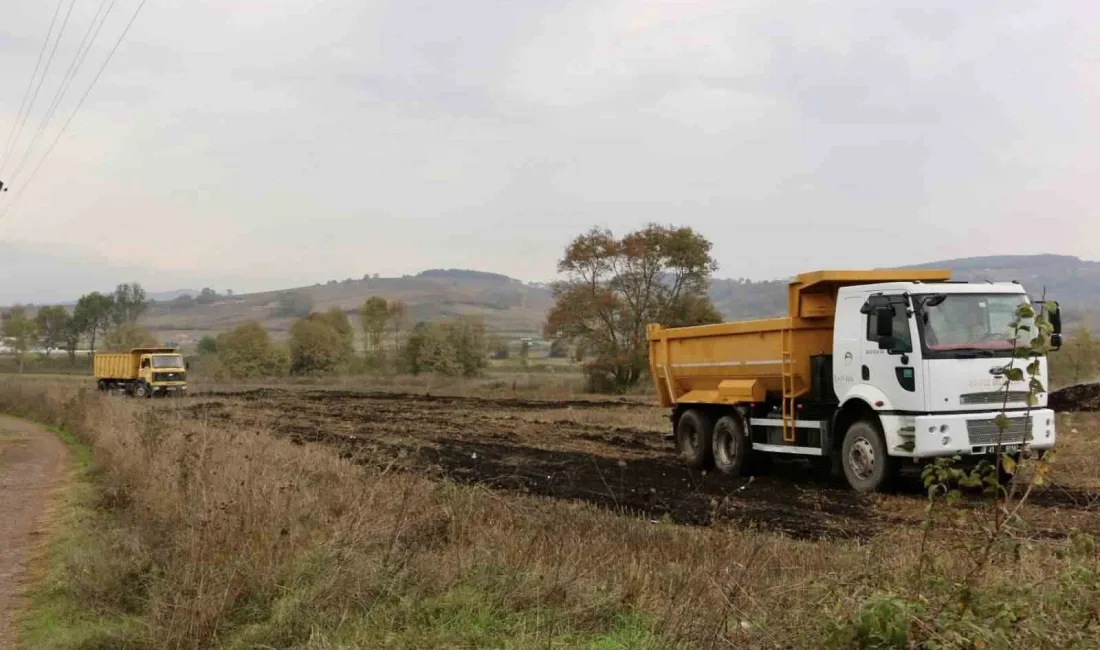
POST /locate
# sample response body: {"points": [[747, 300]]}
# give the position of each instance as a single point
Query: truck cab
{"points": [[163, 373], [928, 359]]}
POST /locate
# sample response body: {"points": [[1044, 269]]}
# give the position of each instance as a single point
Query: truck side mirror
{"points": [[1056, 319], [187, 365], [1056, 325]]}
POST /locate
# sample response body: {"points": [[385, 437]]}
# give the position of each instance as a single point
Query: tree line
{"points": [[107, 318], [323, 344]]}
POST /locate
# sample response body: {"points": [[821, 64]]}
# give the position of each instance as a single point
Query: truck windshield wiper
{"points": [[972, 353]]}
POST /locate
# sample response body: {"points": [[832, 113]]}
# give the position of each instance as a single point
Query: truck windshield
{"points": [[956, 325], [168, 361]]}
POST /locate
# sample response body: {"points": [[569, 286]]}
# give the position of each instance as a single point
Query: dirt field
{"points": [[613, 454]]}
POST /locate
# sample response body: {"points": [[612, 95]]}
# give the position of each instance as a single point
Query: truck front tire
{"points": [[694, 431], [141, 391], [731, 447], [867, 466]]}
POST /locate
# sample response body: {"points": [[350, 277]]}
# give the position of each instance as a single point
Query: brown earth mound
{"points": [[1082, 397]]}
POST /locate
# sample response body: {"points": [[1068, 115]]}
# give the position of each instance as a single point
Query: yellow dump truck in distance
{"points": [[142, 372], [868, 369]]}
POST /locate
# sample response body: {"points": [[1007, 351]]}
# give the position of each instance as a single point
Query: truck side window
{"points": [[901, 330], [145, 363]]}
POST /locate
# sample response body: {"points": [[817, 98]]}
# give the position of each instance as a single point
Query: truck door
{"points": [[847, 344], [890, 360]]}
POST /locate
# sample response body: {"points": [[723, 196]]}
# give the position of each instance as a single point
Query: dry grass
{"points": [[232, 538]]}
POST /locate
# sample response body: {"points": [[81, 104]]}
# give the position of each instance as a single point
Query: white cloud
{"points": [[328, 139]]}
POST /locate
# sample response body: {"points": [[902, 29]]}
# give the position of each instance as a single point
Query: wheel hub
{"points": [[861, 458], [727, 448]]}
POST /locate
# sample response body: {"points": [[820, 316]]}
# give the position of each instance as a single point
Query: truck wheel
{"points": [[693, 439], [867, 466], [141, 391], [731, 448]]}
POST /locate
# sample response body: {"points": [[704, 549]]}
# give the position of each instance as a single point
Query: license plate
{"points": [[1005, 449]]}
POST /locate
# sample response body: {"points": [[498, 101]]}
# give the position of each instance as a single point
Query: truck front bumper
{"points": [[926, 436], [169, 389]]}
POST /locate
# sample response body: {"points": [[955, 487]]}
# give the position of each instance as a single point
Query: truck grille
{"points": [[985, 432], [169, 376], [993, 397]]}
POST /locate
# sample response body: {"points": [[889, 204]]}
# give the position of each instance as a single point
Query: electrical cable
{"points": [[30, 82], [67, 80], [72, 115]]}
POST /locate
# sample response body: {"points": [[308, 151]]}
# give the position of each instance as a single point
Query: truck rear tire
{"points": [[867, 466], [694, 431], [731, 448]]}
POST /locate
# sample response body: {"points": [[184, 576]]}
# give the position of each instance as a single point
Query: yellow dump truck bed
{"points": [[120, 365], [748, 361]]}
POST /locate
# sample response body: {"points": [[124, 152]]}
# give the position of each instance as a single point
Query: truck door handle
{"points": [[866, 373]]}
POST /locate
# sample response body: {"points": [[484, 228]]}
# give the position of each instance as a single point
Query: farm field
{"points": [[614, 454]]}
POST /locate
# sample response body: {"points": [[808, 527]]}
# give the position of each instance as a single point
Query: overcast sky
{"points": [[260, 142]]}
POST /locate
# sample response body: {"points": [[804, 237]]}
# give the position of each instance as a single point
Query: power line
{"points": [[30, 82], [45, 71], [64, 127], [67, 80]]}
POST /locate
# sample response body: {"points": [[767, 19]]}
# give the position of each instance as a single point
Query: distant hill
{"points": [[506, 305], [512, 308], [1074, 282]]}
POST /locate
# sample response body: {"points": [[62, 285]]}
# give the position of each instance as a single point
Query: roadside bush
{"points": [[246, 351], [318, 348], [208, 345], [451, 349]]}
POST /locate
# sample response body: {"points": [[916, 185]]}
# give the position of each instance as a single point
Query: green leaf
{"points": [[1032, 399], [1014, 374], [1025, 311], [1008, 463], [1051, 307], [1033, 368], [1002, 421]]}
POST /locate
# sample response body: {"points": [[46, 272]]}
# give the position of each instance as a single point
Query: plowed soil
{"points": [[575, 450], [1082, 397]]}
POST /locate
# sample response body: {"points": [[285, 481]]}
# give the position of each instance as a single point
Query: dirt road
{"points": [[33, 465]]}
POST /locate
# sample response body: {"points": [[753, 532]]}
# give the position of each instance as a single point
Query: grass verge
{"points": [[57, 615]]}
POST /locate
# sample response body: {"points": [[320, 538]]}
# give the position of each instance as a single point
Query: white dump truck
{"points": [[868, 369]]}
